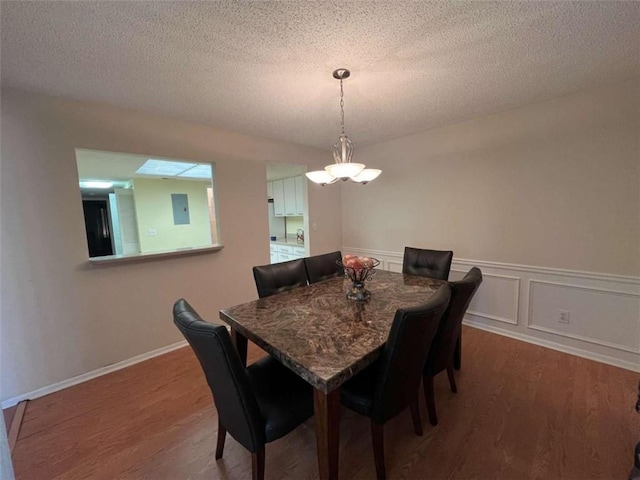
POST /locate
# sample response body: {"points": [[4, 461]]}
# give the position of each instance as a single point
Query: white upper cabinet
{"points": [[278, 198], [299, 195], [288, 196]]}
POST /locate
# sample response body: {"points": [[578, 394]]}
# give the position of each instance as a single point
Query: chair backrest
{"points": [[444, 343], [404, 355], [279, 277], [232, 393], [427, 263], [321, 267]]}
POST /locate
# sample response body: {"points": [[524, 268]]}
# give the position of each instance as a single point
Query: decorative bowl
{"points": [[358, 271]]}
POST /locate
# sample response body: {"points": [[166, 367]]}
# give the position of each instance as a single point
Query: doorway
{"points": [[96, 220]]}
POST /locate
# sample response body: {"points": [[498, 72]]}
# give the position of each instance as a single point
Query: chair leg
{"points": [[452, 378], [431, 403], [457, 353], [377, 437], [222, 433], [257, 465], [414, 406]]}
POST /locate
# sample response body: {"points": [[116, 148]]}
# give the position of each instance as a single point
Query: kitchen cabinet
{"points": [[288, 196], [299, 184], [274, 253], [269, 190], [278, 198], [284, 253]]}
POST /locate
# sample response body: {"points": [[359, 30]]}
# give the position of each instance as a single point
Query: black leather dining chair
{"points": [[385, 388], [441, 352], [427, 263], [279, 277], [635, 470], [433, 264], [322, 267], [257, 404]]}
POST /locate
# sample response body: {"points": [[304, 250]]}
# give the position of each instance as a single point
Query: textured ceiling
{"points": [[265, 67]]}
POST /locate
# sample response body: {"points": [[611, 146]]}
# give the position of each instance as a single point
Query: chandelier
{"points": [[343, 168]]}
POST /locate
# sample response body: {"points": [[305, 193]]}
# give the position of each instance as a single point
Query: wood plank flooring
{"points": [[522, 412]]}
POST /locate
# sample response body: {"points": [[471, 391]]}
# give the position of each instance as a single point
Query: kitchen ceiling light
{"points": [[343, 152], [95, 184], [199, 171], [163, 168]]}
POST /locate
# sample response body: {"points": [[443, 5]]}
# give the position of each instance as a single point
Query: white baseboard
{"points": [[40, 392], [616, 362]]}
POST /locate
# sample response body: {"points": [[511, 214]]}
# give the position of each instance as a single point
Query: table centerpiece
{"points": [[358, 269]]}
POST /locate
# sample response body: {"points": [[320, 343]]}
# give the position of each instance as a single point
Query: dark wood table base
{"points": [[240, 342], [327, 414]]}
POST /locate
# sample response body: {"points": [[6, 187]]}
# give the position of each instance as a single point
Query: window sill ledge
{"points": [[111, 259]]}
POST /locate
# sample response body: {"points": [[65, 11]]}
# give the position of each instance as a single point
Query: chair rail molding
{"points": [[603, 309]]}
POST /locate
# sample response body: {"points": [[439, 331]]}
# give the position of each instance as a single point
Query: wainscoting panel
{"points": [[606, 317], [394, 266], [497, 299], [603, 309]]}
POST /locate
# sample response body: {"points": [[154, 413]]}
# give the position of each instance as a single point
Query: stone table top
{"points": [[320, 334]]}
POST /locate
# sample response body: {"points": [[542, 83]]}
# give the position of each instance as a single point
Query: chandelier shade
{"points": [[366, 175], [321, 177], [343, 168]]}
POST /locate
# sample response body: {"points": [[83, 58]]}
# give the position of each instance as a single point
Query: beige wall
{"points": [[554, 184], [59, 316], [154, 210]]}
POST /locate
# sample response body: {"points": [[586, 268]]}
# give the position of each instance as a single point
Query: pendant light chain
{"points": [[342, 105]]}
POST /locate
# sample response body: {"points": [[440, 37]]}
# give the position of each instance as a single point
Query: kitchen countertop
{"points": [[286, 241]]}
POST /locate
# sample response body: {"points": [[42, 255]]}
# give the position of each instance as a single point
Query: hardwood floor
{"points": [[521, 412]]}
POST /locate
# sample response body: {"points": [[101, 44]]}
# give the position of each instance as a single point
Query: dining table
{"points": [[326, 338]]}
